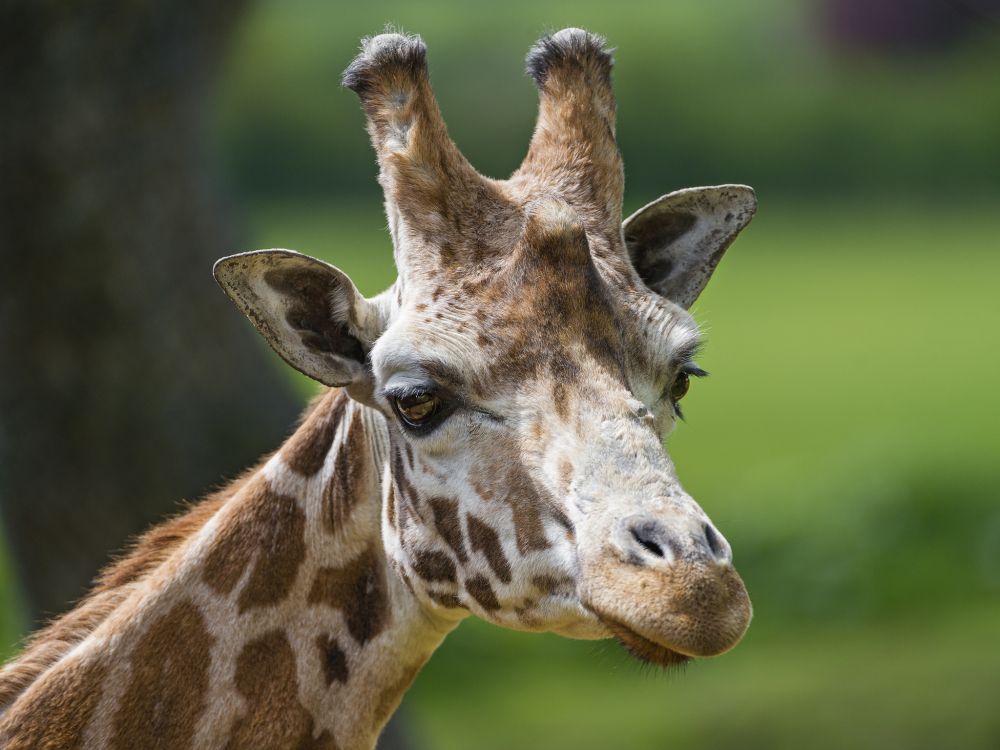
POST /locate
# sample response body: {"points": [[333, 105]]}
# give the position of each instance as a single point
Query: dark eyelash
{"points": [[399, 392], [689, 351]]}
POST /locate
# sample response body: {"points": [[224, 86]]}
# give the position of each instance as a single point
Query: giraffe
{"points": [[490, 444]]}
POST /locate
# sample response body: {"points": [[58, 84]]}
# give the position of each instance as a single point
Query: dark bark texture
{"points": [[128, 381]]}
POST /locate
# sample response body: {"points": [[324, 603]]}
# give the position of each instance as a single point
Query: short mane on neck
{"points": [[263, 616]]}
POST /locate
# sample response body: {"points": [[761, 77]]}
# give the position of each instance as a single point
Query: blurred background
{"points": [[846, 443]]}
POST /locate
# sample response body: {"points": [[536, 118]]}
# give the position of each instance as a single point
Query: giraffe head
{"points": [[529, 361]]}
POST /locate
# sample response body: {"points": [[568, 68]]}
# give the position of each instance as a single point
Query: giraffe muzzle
{"points": [[667, 590]]}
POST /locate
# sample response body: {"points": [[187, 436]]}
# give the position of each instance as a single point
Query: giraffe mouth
{"points": [[644, 649]]}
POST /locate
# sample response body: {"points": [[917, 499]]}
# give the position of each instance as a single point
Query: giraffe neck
{"points": [[276, 624]]}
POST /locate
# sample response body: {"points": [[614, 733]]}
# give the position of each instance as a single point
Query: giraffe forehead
{"points": [[536, 323], [550, 289], [555, 301], [512, 225]]}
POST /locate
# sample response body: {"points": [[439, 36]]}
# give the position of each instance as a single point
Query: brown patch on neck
{"points": [[390, 505], [446, 599], [305, 452], [168, 685], [479, 589], [275, 717], [483, 489], [433, 565], [55, 713], [560, 517], [526, 504], [333, 659], [449, 526], [513, 485], [350, 481], [359, 590], [483, 538], [565, 475], [269, 529], [559, 398], [547, 584], [405, 493]]}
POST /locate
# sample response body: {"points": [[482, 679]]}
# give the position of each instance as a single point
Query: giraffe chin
{"points": [[644, 649], [662, 614]]}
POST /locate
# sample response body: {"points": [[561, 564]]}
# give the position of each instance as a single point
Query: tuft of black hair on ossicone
{"points": [[568, 46], [389, 51]]}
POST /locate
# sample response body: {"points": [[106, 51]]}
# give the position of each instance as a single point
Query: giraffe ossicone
{"points": [[492, 444]]}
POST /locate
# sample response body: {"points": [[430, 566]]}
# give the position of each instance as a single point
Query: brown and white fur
{"points": [[548, 341]]}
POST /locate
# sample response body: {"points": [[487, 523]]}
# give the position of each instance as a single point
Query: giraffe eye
{"points": [[680, 387], [417, 409]]}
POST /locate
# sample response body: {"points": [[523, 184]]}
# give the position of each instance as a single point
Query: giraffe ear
{"points": [[676, 241], [308, 311]]}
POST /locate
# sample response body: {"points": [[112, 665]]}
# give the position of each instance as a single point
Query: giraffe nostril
{"points": [[716, 544], [713, 540], [653, 537], [646, 542]]}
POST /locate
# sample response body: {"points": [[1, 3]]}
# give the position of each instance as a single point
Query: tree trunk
{"points": [[128, 382]]}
